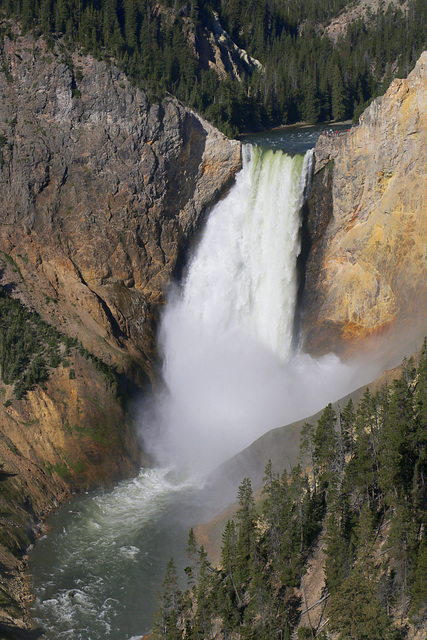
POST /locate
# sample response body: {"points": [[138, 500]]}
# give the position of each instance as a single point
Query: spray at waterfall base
{"points": [[230, 371]]}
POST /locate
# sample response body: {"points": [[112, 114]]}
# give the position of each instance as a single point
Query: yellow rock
{"points": [[368, 273]]}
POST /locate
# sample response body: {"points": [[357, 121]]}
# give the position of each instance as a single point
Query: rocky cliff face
{"points": [[70, 435], [102, 193], [216, 50], [367, 271]]}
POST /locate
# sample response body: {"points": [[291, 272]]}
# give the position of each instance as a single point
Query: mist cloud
{"points": [[229, 371], [223, 392]]}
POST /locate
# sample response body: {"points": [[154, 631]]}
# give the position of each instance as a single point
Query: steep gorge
{"points": [[101, 194]]}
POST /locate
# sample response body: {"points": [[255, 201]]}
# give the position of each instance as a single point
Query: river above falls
{"points": [[294, 138]]}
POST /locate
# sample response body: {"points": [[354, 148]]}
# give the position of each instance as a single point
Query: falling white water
{"points": [[230, 375], [226, 334], [243, 275]]}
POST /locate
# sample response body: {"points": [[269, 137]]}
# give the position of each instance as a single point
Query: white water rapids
{"points": [[230, 375]]}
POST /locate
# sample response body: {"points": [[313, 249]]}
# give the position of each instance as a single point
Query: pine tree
{"points": [[131, 24], [274, 509], [109, 21], [192, 570], [310, 101], [355, 612], [339, 109], [169, 604], [419, 443], [27, 15], [246, 517], [338, 554], [307, 449], [395, 456], [204, 609], [419, 585], [61, 16], [230, 598], [348, 419], [46, 16], [365, 537], [326, 449], [363, 471]]}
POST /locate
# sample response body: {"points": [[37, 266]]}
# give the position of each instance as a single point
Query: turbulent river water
{"points": [[96, 572], [230, 373]]}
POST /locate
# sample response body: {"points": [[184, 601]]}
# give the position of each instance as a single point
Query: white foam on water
{"points": [[99, 544]]}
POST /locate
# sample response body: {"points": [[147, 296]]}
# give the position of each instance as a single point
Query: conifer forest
{"points": [[361, 489], [305, 76]]}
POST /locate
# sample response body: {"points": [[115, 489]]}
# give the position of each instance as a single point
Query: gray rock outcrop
{"points": [[102, 192]]}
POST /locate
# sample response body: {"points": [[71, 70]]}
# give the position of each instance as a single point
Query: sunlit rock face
{"points": [[367, 271], [101, 193]]}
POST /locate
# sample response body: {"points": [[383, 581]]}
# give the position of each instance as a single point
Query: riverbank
{"points": [[23, 511]]}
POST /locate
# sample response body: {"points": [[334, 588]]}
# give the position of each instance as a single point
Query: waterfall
{"points": [[226, 333], [243, 274]]}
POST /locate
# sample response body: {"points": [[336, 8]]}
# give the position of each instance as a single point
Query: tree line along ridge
{"points": [[305, 74]]}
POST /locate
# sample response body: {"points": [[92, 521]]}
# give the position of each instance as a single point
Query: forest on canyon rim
{"points": [[306, 75]]}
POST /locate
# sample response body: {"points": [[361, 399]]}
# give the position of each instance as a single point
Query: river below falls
{"points": [[96, 571]]}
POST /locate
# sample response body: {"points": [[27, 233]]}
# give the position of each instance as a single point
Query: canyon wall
{"points": [[102, 192], [102, 195], [366, 274]]}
